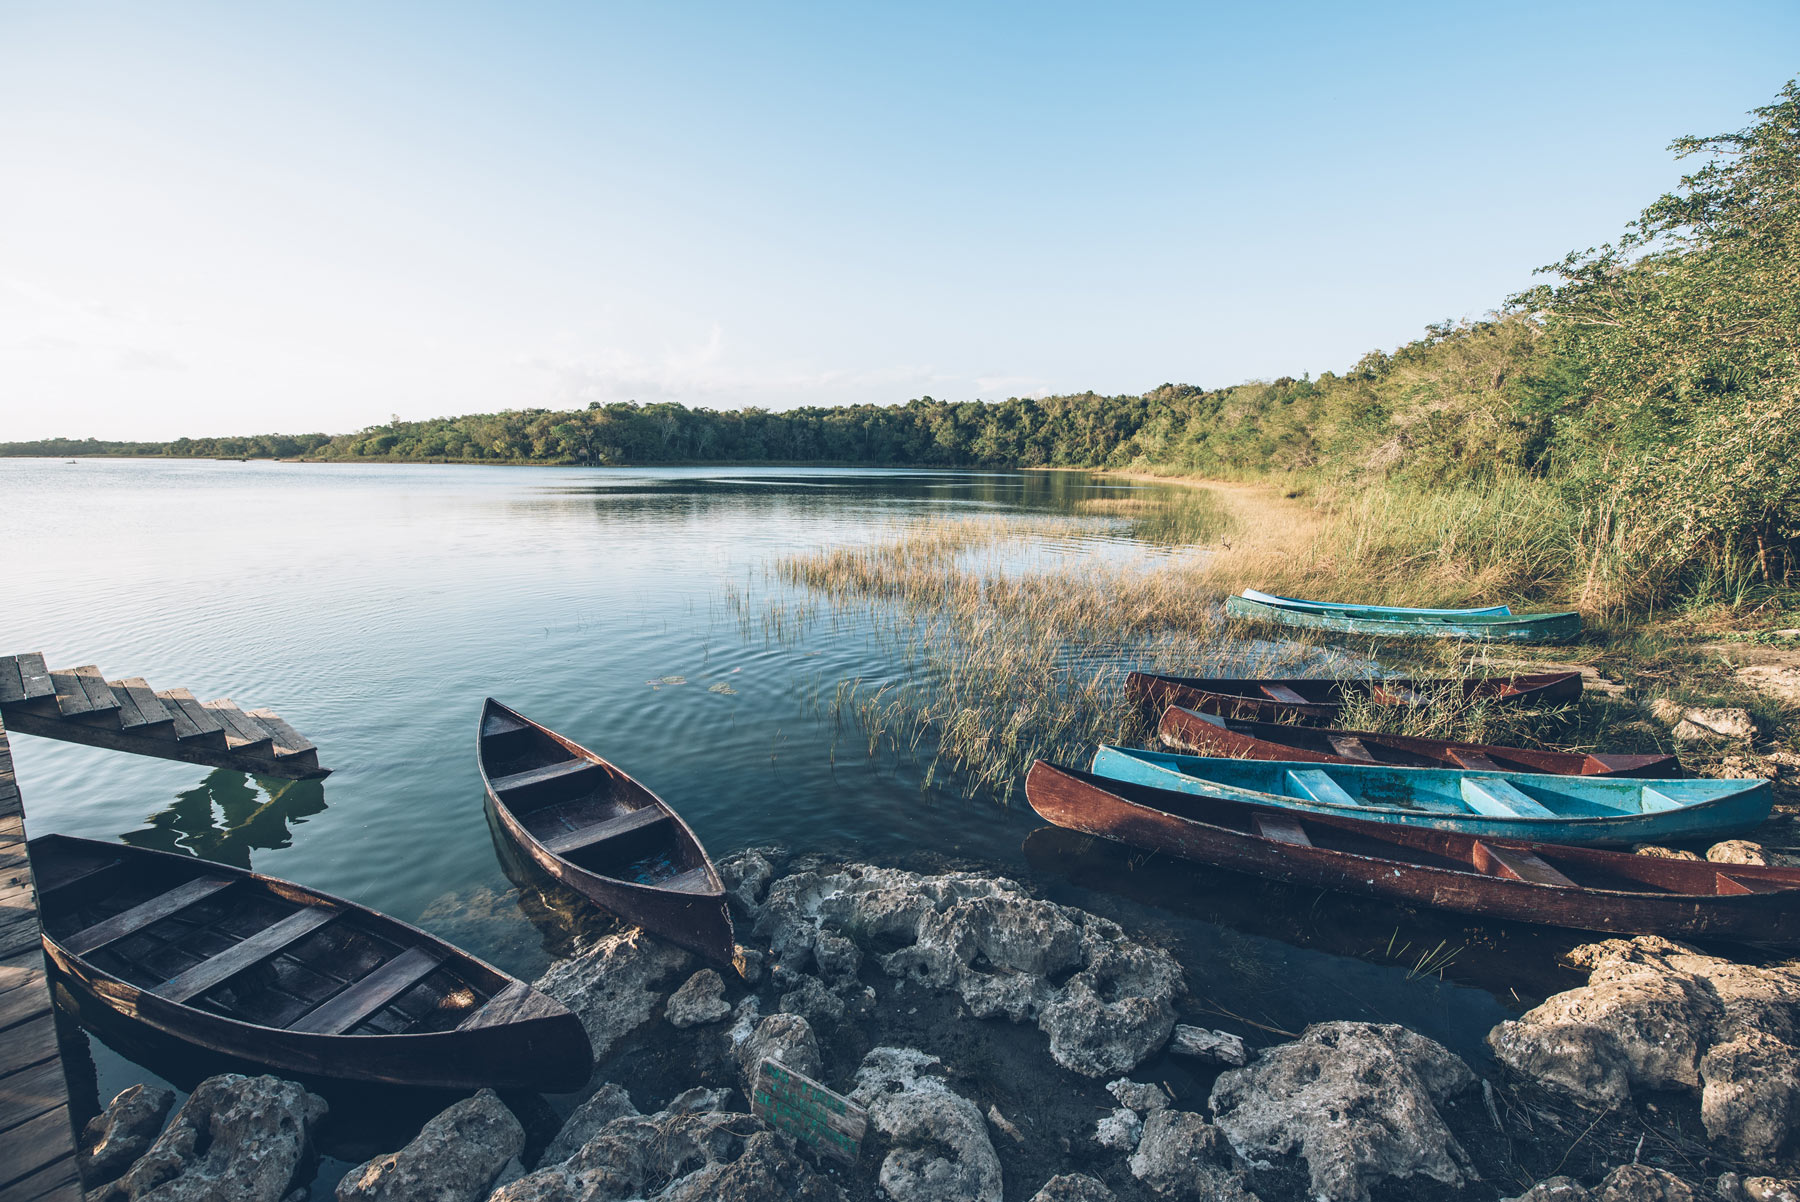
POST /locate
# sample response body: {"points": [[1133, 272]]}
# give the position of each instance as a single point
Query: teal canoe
{"points": [[1373, 611], [1585, 810], [1514, 628]]}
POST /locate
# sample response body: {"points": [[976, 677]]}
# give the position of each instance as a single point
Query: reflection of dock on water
{"points": [[78, 705]]}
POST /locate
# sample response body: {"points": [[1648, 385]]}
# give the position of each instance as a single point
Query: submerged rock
{"points": [[1104, 1001], [941, 1151], [1658, 1015], [1358, 1101], [456, 1157], [115, 1138], [1183, 1156], [700, 1000], [236, 1139], [615, 985]]}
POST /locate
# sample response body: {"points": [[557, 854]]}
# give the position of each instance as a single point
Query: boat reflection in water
{"points": [[229, 815]]}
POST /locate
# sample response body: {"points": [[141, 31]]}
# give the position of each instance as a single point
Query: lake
{"points": [[374, 607]]}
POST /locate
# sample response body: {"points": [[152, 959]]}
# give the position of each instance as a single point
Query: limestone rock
{"points": [[1771, 1189], [1143, 1097], [1182, 1156], [941, 1151], [236, 1139], [1357, 1100], [456, 1157], [784, 1038], [615, 985], [1555, 1189], [114, 1139], [700, 1000], [1640, 1183], [1104, 1001], [1661, 853], [812, 1001], [1074, 1187], [609, 1102], [1750, 1099], [1119, 1130], [1220, 1047], [1698, 725], [1737, 851], [746, 876]]}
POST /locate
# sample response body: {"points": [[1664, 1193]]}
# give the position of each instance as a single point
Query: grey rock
{"points": [[615, 985], [456, 1157], [1750, 1094], [124, 1131], [812, 1001], [838, 958], [1004, 1125], [1737, 851], [1702, 724], [609, 1102], [784, 1038], [1771, 1189], [700, 1000], [940, 1147], [1357, 1100], [747, 874], [999, 949], [1582, 1061], [1119, 1130], [1143, 1097], [1074, 1187], [749, 963], [1555, 1189], [1183, 1156], [235, 1139], [697, 1100], [1641, 1183], [1658, 853], [1220, 1047]]}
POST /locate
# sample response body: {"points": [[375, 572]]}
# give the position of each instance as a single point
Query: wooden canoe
{"points": [[1579, 887], [267, 971], [1234, 738], [1503, 805], [1267, 700], [1560, 627], [1343, 607], [601, 833]]}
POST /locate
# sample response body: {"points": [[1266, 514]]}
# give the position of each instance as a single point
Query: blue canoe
{"points": [[1513, 628], [1251, 594], [1588, 810]]}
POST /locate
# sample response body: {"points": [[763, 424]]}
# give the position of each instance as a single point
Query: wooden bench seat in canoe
{"points": [[351, 1006], [1500, 799], [265, 944], [600, 832], [560, 770], [1515, 863], [140, 916]]}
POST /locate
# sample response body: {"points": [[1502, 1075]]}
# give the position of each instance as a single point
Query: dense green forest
{"points": [[1641, 413]]}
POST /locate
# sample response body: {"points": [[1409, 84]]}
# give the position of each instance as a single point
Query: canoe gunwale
{"points": [[1262, 598], [1558, 627]]}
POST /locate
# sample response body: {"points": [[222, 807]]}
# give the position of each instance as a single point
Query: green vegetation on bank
{"points": [[1624, 437]]}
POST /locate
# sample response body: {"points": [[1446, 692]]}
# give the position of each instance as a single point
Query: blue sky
{"points": [[230, 218]]}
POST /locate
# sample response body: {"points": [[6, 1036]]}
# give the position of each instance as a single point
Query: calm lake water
{"points": [[374, 607]]}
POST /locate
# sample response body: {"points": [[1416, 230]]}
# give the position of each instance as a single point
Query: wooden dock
{"points": [[79, 705], [37, 1142]]}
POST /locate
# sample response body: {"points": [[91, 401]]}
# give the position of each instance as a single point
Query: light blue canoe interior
{"points": [[1423, 791], [1251, 594]]}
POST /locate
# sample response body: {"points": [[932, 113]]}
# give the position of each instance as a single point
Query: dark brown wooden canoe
{"points": [[267, 971], [601, 833], [1578, 887], [1268, 700], [1209, 734]]}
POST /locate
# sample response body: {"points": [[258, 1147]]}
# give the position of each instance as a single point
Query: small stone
{"points": [[1771, 1189], [1141, 1096], [1737, 851], [1182, 1156], [1555, 1189], [812, 1001], [1074, 1187], [701, 1000], [1220, 1047], [456, 1157], [1003, 1125], [940, 1150], [1729, 1187], [614, 986], [1663, 853], [1119, 1130], [112, 1141], [1640, 1183]]}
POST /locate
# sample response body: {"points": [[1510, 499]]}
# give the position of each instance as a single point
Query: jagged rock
{"points": [[923, 1120], [1104, 1001], [615, 985], [747, 874], [698, 1100], [748, 962], [1771, 1189], [1699, 725], [1729, 1187], [1141, 1096], [115, 1138], [1660, 853], [1183, 1156], [1004, 1125], [1357, 1100], [236, 1139], [676, 1156], [701, 999], [609, 1102], [813, 1002], [784, 1038], [1220, 1047], [837, 957], [1555, 1189], [1074, 1187], [1641, 1183], [1737, 851], [1655, 1015], [456, 1157], [1120, 1130]]}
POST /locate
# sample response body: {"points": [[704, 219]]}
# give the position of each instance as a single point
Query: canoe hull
{"points": [[1138, 818], [1508, 628], [1322, 699], [1340, 607], [1718, 813]]}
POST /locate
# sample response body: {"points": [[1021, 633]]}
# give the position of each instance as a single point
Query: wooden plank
{"points": [[55, 1182], [216, 753], [259, 947], [517, 1003], [1282, 693], [12, 683], [1282, 828], [612, 828], [538, 776], [243, 734], [128, 715], [21, 969], [19, 932], [1500, 799], [71, 698], [23, 1004], [192, 720], [1317, 785], [1655, 801], [36, 1144], [1351, 748], [692, 881], [140, 916], [290, 744], [795, 1103], [29, 1043], [35, 677], [148, 704], [1515, 863], [1730, 886], [1473, 760], [500, 724], [355, 1003], [32, 1091]]}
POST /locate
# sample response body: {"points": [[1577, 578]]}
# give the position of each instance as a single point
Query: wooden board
{"points": [[1500, 799], [12, 684], [1282, 829], [538, 776], [141, 695], [1473, 760], [793, 1102], [1285, 695], [1515, 863], [244, 734], [1316, 784], [261, 946], [356, 1003], [142, 915], [55, 1182], [35, 677], [192, 720], [1351, 748], [562, 845]]}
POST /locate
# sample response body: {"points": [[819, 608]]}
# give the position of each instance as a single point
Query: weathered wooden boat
{"points": [[1234, 738], [1346, 607], [1502, 805], [1580, 887], [267, 971], [601, 833], [1320, 700], [1559, 627]]}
